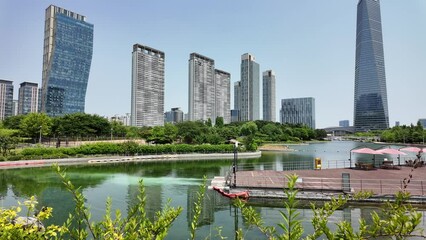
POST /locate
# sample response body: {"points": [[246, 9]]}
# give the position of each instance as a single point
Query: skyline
{"points": [[309, 45]]}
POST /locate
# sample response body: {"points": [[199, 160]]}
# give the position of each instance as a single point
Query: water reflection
{"points": [[178, 181]]}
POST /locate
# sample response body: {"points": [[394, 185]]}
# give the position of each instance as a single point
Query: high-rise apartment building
{"points": [[174, 116], [250, 101], [28, 98], [6, 99], [67, 56], [223, 95], [370, 100], [15, 107], [298, 111], [209, 90], [202, 88], [147, 86], [269, 96]]}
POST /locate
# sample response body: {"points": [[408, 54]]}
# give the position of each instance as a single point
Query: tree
{"points": [[8, 139], [13, 122], [219, 122], [188, 131], [36, 125], [82, 124], [249, 128]]}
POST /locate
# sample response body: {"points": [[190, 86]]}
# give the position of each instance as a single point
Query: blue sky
{"points": [[310, 45]]}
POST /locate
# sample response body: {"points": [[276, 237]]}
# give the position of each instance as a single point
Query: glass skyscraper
{"points": [[250, 101], [370, 100], [147, 86], [298, 111], [67, 56]]}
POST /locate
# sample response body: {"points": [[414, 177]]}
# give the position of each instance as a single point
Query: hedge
{"points": [[127, 148]]}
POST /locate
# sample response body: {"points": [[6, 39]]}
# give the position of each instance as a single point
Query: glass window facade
{"points": [[67, 60], [28, 98], [298, 111], [370, 100]]}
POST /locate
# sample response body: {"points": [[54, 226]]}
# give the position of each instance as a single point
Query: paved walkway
{"points": [[380, 181]]}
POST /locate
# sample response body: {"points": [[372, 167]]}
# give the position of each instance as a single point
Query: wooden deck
{"points": [[380, 181]]}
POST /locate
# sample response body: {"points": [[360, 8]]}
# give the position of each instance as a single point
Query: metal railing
{"points": [[377, 186]]}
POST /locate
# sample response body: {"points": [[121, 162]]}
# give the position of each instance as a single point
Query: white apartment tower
{"points": [[223, 95], [209, 90], [269, 96], [147, 86], [202, 89], [250, 101]]}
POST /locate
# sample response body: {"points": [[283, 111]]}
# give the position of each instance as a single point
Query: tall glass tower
{"points": [[67, 56], [370, 100]]}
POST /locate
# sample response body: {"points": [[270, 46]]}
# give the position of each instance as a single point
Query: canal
{"points": [[179, 182]]}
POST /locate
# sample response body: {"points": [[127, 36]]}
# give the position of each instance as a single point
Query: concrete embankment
{"points": [[125, 159]]}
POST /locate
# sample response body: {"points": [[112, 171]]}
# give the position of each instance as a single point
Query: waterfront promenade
{"points": [[381, 182], [126, 159]]}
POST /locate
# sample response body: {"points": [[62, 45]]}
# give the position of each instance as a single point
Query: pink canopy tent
{"points": [[391, 151], [364, 151], [411, 149]]}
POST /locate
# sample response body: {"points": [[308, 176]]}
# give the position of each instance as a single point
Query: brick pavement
{"points": [[380, 181]]}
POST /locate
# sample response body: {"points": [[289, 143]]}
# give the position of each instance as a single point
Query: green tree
{"points": [[249, 128], [36, 125], [13, 122], [118, 129], [219, 122], [83, 125], [188, 131], [8, 140]]}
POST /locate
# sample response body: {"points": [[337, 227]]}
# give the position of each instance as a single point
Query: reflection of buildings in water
{"points": [[208, 206], [278, 163], [153, 201]]}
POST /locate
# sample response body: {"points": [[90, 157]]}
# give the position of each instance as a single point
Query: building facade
{"points": [[147, 86], [269, 111], [370, 100], [6, 99], [202, 88], [223, 95], [298, 111], [422, 122], [28, 98], [344, 123], [67, 56], [250, 101], [175, 115]]}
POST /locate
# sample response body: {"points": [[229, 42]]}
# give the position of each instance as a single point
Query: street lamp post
{"points": [[234, 164]]}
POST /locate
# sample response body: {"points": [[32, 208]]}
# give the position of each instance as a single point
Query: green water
{"points": [[178, 181]]}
